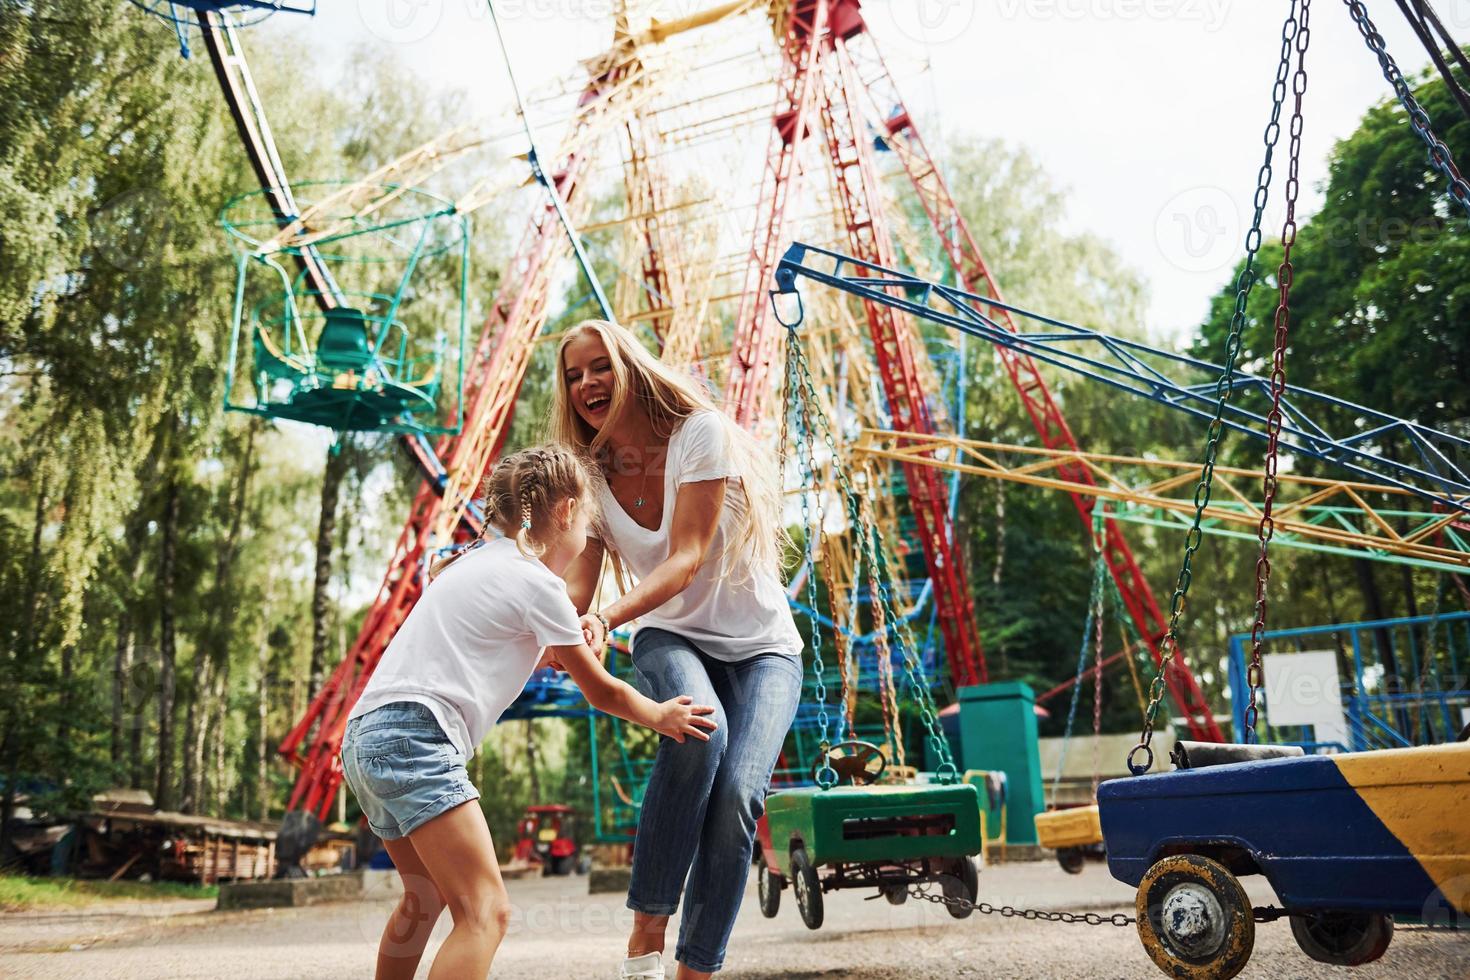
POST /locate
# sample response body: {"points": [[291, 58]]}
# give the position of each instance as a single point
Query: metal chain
{"points": [[1093, 602], [1440, 157], [1097, 669], [826, 776], [1267, 527], [804, 389], [1169, 645], [1260, 913], [1030, 915], [887, 690]]}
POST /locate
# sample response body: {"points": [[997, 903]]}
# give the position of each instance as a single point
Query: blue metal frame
{"points": [[1371, 716], [176, 12], [1371, 444]]}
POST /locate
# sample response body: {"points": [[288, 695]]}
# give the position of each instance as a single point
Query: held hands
{"points": [[593, 633], [678, 717]]}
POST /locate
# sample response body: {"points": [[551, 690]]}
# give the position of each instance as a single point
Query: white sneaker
{"points": [[649, 966]]}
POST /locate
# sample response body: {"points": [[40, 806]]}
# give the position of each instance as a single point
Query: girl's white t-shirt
{"points": [[472, 641], [729, 616]]}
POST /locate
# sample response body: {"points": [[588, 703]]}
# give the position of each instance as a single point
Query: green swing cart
{"points": [[849, 830]]}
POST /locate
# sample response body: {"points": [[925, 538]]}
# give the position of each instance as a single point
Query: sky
{"points": [[1149, 113]]}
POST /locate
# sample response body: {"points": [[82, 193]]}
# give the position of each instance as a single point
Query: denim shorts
{"points": [[403, 769]]}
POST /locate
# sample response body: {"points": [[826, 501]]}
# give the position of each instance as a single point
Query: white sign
{"points": [[1306, 689]]}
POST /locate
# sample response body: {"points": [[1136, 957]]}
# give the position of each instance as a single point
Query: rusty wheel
{"points": [[1194, 919], [1343, 938]]}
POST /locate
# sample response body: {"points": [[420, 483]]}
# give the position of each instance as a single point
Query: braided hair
{"points": [[521, 492]]}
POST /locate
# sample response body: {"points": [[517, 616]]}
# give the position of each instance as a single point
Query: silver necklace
{"points": [[639, 500]]}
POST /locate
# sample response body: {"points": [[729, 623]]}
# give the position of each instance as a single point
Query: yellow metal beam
{"points": [[1168, 485]]}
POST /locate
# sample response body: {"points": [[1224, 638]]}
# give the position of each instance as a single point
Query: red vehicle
{"points": [[546, 839]]}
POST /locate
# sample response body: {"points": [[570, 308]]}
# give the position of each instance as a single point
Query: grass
{"points": [[18, 892]]}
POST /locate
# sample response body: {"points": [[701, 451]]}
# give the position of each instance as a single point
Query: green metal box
{"points": [[876, 823]]}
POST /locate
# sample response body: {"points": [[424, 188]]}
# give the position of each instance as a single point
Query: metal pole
{"points": [[532, 157]]}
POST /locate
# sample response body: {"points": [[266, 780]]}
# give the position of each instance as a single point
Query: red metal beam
{"points": [[753, 353], [857, 52], [861, 200]]}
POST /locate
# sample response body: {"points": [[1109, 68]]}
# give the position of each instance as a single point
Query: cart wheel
{"points": [[1071, 859], [896, 895], [808, 888], [768, 885], [1343, 938], [1194, 919], [960, 880]]}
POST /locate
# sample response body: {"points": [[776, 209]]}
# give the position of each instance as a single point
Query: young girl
{"points": [[462, 655]]}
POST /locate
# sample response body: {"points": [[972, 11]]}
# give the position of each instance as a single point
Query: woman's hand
{"points": [[594, 633], [548, 659], [680, 717]]}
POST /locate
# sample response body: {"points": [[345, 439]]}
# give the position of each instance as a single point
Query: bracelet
{"points": [[606, 627]]}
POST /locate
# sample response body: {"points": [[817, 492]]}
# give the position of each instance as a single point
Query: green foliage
{"points": [[1380, 290], [19, 893]]}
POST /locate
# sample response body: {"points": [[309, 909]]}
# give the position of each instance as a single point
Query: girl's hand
{"points": [[680, 717], [548, 659], [593, 633]]}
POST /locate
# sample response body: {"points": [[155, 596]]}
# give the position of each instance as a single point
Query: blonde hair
{"points": [[669, 396], [521, 493]]}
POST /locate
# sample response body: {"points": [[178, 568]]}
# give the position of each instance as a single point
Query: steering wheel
{"points": [[859, 763]]}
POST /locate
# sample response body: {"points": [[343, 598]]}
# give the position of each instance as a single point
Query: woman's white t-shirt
{"points": [[729, 614], [472, 641]]}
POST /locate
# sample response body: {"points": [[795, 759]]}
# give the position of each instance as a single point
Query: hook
{"points": [[776, 310]]}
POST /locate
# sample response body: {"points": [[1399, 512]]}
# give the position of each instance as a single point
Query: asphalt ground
{"points": [[560, 931]]}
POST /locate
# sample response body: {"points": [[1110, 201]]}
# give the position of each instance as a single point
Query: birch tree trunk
{"points": [[337, 462], [163, 796]]}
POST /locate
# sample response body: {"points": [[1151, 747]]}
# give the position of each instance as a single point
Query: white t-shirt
{"points": [[472, 641], [729, 617]]}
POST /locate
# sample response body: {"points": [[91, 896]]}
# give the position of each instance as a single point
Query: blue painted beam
{"points": [[1370, 444]]}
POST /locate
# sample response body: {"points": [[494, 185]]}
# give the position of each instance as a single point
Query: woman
{"points": [[692, 508]]}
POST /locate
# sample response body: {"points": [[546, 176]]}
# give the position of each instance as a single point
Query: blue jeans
{"points": [[704, 798]]}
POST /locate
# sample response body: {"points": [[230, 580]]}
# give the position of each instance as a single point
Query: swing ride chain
{"points": [[1266, 913], [1097, 659], [1440, 157], [1093, 602], [825, 776], [1284, 272], [803, 387], [1169, 645]]}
